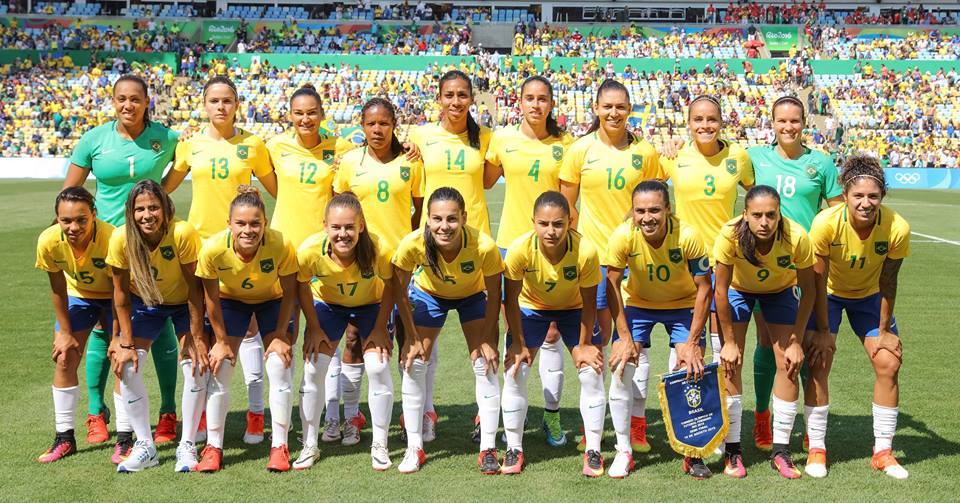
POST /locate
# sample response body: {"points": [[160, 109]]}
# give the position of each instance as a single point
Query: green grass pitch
{"points": [[928, 440]]}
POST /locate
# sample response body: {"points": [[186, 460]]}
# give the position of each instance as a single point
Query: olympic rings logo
{"points": [[907, 178]]}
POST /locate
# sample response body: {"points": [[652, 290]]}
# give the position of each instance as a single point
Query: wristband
{"points": [[131, 346]]}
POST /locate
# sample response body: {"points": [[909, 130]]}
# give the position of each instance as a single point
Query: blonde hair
{"points": [[138, 250]]}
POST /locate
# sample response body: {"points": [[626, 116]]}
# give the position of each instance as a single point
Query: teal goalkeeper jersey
{"points": [[119, 163], [804, 183]]}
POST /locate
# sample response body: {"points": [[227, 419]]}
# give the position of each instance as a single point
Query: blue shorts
{"points": [[778, 308], [430, 311], [84, 314], [713, 300], [334, 318], [602, 287], [676, 321], [236, 317], [863, 315], [537, 321], [149, 322]]}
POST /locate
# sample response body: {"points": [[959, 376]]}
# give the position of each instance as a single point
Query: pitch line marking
{"points": [[935, 238]]}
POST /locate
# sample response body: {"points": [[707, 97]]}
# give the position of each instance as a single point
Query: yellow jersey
{"points": [[179, 246], [530, 168], [606, 176], [88, 276], [386, 191], [660, 278], [450, 161], [219, 167], [460, 278], [855, 264], [552, 286], [342, 286], [705, 188], [252, 282], [304, 183], [778, 269]]}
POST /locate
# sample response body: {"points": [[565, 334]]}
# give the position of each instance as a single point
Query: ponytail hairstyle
{"points": [[706, 97], [473, 129], [222, 79], [138, 250], [553, 129], [396, 148], [653, 185], [431, 250], [365, 251], [609, 85], [552, 198], [745, 239], [146, 92], [248, 195], [863, 166], [308, 90], [74, 195]]}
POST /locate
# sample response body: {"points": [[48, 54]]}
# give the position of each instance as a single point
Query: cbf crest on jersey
{"points": [[570, 272], [880, 247], [366, 275], [783, 261], [694, 412], [99, 263], [637, 161], [167, 252], [243, 151], [732, 166], [676, 256], [155, 145], [557, 152], [811, 171], [328, 156], [405, 173], [266, 265], [466, 267]]}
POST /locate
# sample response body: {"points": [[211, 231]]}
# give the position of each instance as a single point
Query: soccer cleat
{"points": [[254, 432], [211, 460], [351, 430], [429, 428], [556, 437], [331, 431], [638, 434], [475, 436], [762, 431], [806, 443], [186, 457], [308, 457], [782, 463], [816, 466], [488, 461], [201, 429], [97, 429], [592, 464], [64, 444], [123, 447], [622, 465], [695, 468], [380, 457], [166, 429], [885, 462], [412, 461], [142, 456], [512, 462], [279, 459], [733, 466]]}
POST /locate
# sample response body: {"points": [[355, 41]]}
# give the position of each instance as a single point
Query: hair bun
{"points": [[308, 86], [248, 189]]}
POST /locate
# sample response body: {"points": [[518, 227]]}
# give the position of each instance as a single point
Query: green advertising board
{"points": [[220, 31], [780, 38]]}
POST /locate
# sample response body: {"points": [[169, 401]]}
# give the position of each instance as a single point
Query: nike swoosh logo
{"points": [[489, 396], [334, 375], [60, 261], [195, 153], [511, 150], [286, 154], [511, 411], [224, 268], [591, 161], [597, 405], [530, 270], [105, 152], [360, 173], [196, 390], [681, 166], [284, 390], [135, 401], [432, 143], [555, 370], [836, 244], [381, 393], [634, 254], [169, 351]]}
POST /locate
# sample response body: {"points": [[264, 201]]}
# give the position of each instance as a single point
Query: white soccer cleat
{"points": [[379, 457], [308, 457], [186, 457], [412, 461], [142, 456], [331, 431], [622, 465], [351, 431], [885, 462], [816, 465]]}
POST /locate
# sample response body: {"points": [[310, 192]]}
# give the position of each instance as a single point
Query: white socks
{"points": [[621, 396], [251, 361], [884, 427], [639, 384], [218, 403], [123, 420], [550, 367], [431, 378], [135, 398], [64, 407], [350, 376], [715, 346], [193, 399], [592, 406], [735, 413], [515, 404], [312, 390], [280, 379], [412, 387], [816, 419], [379, 396], [784, 414], [331, 386], [672, 362], [488, 402]]}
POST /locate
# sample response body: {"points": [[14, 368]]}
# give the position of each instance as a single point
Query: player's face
{"points": [[788, 123], [551, 224], [130, 103], [445, 221], [305, 114], [455, 100], [863, 197], [536, 103], [378, 127], [704, 122], [612, 108], [762, 214], [247, 224], [148, 214], [76, 221], [220, 103], [343, 226], [650, 213]]}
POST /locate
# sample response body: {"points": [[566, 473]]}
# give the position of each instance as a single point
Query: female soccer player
{"points": [[72, 252], [860, 246], [551, 276], [529, 157], [669, 285], [153, 258], [350, 274], [763, 258], [120, 153], [222, 157], [249, 271], [458, 267], [805, 178]]}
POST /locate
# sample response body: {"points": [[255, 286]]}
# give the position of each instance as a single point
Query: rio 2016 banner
{"points": [[780, 38], [694, 411], [220, 32]]}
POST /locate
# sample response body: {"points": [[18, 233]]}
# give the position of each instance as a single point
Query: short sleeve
{"points": [[802, 251], [305, 260], [899, 239], [341, 180], [572, 164], [261, 161], [493, 151], [384, 254], [724, 250], [589, 262], [831, 182], [116, 250], [651, 165], [747, 177], [181, 160], [406, 255], [821, 234], [490, 257], [618, 248], [44, 260], [188, 242], [206, 268], [288, 259], [343, 145], [83, 151], [515, 260], [416, 179], [667, 167]]}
